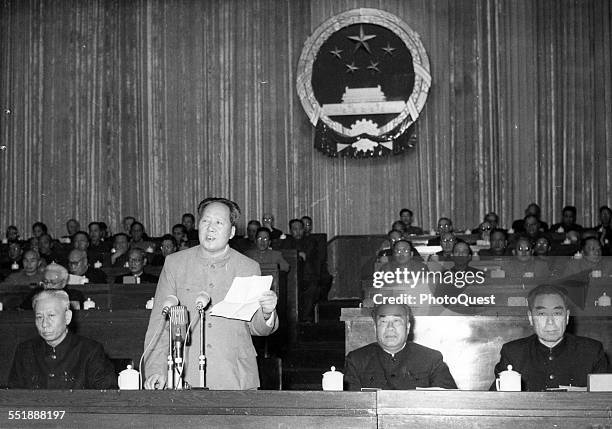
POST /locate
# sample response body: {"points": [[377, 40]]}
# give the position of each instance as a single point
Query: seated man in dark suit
{"points": [[98, 250], [406, 216], [136, 263], [447, 241], [393, 362], [591, 261], [78, 266], [498, 247], [532, 210], [568, 221], [551, 357], [267, 221], [444, 225], [31, 274], [59, 359], [264, 254]]}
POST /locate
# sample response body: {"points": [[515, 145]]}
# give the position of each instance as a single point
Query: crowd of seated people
{"points": [[92, 254], [528, 249]]}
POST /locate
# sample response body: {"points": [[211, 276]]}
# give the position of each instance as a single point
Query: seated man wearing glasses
{"points": [[264, 254]]}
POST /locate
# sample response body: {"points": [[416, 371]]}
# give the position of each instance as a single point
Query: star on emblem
{"points": [[374, 67], [362, 40], [336, 52], [351, 68], [388, 49]]}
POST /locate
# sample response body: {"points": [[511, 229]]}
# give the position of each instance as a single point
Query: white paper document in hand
{"points": [[242, 300]]}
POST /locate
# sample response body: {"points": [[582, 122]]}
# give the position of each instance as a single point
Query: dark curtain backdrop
{"points": [[113, 108]]}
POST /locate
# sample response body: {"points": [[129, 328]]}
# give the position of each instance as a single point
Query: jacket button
{"points": [[551, 376]]}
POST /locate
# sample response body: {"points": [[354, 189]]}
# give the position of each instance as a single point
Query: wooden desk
{"points": [[247, 409], [106, 296], [193, 409]]}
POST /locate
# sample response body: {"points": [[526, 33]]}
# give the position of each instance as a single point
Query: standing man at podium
{"points": [[210, 267]]}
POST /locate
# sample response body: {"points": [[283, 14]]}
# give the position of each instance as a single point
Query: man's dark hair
{"points": [[403, 240], [405, 307], [103, 226], [569, 208], [169, 237], [545, 289], [467, 244], [445, 218], [41, 225], [539, 209], [292, 221], [82, 233], [232, 206], [404, 210], [119, 234], [584, 242], [180, 225], [92, 224], [499, 231], [602, 208], [137, 223], [263, 229], [492, 214], [254, 222], [307, 217], [188, 215], [533, 216]]}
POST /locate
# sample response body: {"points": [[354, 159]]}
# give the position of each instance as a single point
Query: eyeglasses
{"points": [[448, 240]]}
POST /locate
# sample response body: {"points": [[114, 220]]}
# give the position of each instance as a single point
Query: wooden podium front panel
{"points": [[193, 408], [515, 410]]}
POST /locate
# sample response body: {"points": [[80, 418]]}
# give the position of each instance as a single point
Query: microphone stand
{"points": [[170, 376], [202, 359]]}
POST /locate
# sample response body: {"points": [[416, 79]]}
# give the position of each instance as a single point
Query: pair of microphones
{"points": [[178, 317], [201, 301]]}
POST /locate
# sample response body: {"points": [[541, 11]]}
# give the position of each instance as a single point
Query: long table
{"points": [[247, 409]]}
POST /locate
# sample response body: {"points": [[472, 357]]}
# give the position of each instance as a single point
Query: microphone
{"points": [[202, 301], [178, 321], [170, 301]]}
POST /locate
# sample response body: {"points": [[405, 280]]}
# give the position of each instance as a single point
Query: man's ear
{"points": [[68, 316], [233, 231], [530, 317], [567, 317]]}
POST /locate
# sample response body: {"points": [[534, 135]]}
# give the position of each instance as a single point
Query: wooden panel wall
{"points": [[114, 108]]}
